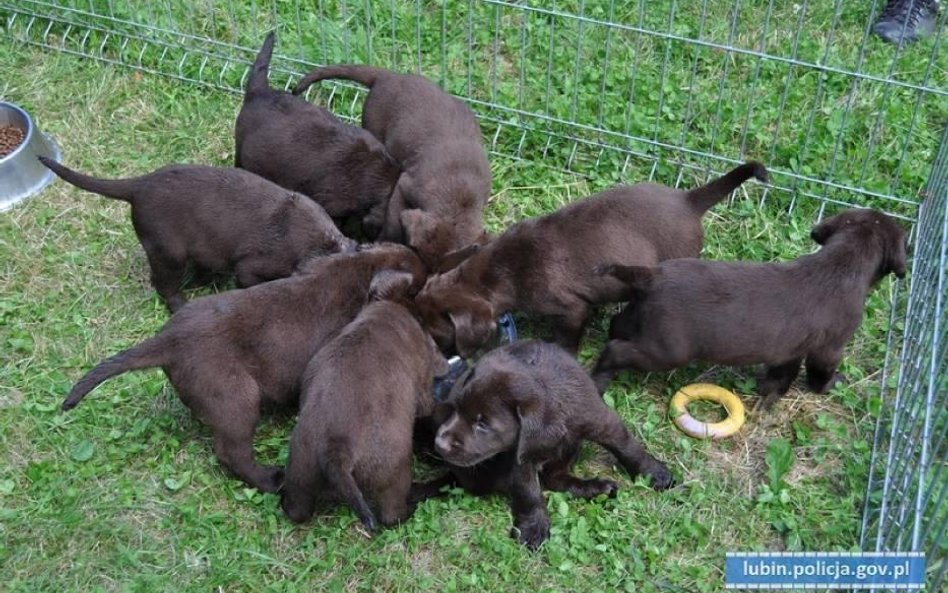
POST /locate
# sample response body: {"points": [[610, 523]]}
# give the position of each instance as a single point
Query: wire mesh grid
{"points": [[595, 88], [626, 91], [907, 496]]}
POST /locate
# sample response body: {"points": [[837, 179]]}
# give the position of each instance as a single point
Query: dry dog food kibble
{"points": [[10, 138]]}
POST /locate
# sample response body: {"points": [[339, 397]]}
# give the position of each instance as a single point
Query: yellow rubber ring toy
{"points": [[703, 430]]}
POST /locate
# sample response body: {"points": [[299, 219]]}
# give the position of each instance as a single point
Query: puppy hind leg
{"points": [[609, 431], [298, 496], [337, 468], [231, 411], [394, 500], [821, 373], [167, 276], [233, 445], [776, 381], [556, 476]]}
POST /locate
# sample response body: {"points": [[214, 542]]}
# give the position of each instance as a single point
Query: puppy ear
{"points": [[823, 231], [895, 258], [473, 327], [540, 431], [419, 227], [455, 258], [390, 284], [375, 150]]}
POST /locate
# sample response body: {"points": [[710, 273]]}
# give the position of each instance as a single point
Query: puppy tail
{"points": [[121, 189], [364, 75], [704, 197], [258, 81], [150, 353]]}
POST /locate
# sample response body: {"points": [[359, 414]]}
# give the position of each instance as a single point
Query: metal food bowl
{"points": [[21, 173]]}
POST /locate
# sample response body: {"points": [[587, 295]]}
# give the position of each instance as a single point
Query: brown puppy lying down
{"points": [[437, 206], [305, 148], [738, 313], [361, 394], [524, 409], [218, 219], [544, 266], [230, 354]]}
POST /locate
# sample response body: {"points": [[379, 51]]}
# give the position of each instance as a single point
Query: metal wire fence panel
{"points": [[604, 89], [907, 498], [633, 90]]}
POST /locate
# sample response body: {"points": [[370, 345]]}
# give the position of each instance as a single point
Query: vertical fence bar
{"points": [[662, 81], [726, 63], [753, 90]]}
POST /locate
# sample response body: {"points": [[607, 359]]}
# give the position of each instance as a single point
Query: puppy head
{"points": [[869, 227], [458, 320], [441, 243], [431, 237], [497, 410], [481, 424]]}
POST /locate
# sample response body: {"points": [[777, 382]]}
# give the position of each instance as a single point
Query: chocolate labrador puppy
{"points": [[544, 266], [519, 417], [361, 395], [307, 149], [231, 354], [739, 313], [437, 206], [217, 219]]}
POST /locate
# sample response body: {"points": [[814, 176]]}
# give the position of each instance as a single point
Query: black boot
{"points": [[904, 21]]}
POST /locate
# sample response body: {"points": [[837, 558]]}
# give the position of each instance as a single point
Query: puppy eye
{"points": [[481, 425]]}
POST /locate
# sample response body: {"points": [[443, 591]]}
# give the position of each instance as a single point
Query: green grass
{"points": [[124, 493]]}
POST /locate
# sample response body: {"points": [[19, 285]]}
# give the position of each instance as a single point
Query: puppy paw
{"points": [[369, 522], [838, 378], [297, 511], [826, 386], [594, 487], [272, 480], [662, 479], [602, 381], [532, 532], [767, 403]]}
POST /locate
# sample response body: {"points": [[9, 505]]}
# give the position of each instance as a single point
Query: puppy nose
{"points": [[444, 443]]}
